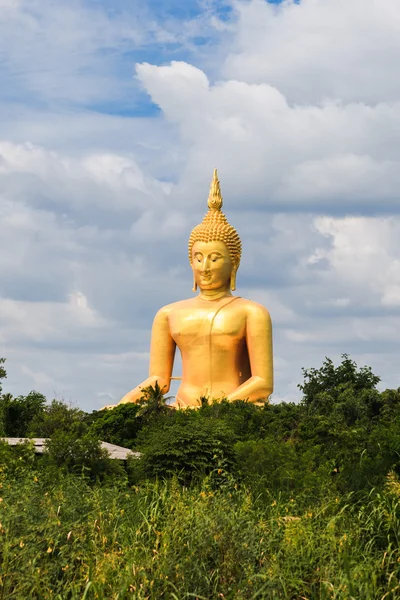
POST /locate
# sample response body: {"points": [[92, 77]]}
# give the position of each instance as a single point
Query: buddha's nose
{"points": [[206, 264]]}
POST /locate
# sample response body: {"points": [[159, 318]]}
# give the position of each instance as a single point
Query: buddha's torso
{"points": [[211, 336]]}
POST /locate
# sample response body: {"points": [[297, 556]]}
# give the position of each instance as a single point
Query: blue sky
{"points": [[112, 118]]}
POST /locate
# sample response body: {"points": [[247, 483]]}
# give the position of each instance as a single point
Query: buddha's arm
{"points": [[259, 344], [162, 352]]}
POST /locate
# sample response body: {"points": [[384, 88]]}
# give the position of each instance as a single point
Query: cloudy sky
{"points": [[113, 114]]}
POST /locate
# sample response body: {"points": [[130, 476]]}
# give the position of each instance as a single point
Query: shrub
{"points": [[274, 466], [81, 455], [58, 416], [187, 445], [117, 426], [17, 459]]}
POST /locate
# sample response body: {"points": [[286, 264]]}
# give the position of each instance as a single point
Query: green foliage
{"points": [[246, 420], [185, 443], [18, 413], [73, 540], [344, 434], [153, 402], [273, 465], [118, 426], [3, 372], [231, 501], [390, 410], [122, 424], [17, 460], [80, 455], [322, 387], [58, 416]]}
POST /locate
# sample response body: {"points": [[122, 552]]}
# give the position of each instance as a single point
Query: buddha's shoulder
{"points": [[253, 308], [168, 309]]}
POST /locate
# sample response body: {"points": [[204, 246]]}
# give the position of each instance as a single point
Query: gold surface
{"points": [[225, 341]]}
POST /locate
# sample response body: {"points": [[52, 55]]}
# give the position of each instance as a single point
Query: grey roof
{"points": [[119, 452], [39, 444]]}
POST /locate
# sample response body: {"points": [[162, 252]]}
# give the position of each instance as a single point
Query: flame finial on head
{"points": [[215, 198]]}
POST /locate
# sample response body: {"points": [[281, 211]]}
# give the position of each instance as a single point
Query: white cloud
{"points": [[47, 322], [279, 155], [344, 179], [78, 299], [98, 180], [364, 256], [316, 50]]}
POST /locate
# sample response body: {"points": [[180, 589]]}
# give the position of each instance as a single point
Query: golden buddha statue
{"points": [[225, 341]]}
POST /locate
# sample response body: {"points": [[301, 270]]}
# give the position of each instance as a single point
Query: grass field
{"points": [[62, 537]]}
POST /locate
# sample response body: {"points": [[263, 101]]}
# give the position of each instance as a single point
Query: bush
{"points": [[81, 455], [118, 426], [274, 466], [58, 416], [186, 444], [17, 459]]}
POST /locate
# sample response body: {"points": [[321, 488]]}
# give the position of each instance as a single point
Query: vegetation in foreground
{"points": [[161, 540], [230, 501]]}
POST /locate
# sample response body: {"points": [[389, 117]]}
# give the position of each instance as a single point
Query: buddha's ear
{"points": [[194, 288], [235, 267]]}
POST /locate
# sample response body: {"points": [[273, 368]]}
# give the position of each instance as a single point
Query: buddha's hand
{"points": [[108, 407]]}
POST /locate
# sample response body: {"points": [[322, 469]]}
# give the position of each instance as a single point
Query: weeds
{"points": [[73, 540]]}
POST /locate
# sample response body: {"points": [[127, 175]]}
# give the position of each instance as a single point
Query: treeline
{"points": [[344, 434]]}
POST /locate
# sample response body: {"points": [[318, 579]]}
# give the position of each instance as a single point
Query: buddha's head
{"points": [[214, 246]]}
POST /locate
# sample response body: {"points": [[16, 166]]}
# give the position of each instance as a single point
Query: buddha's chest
{"points": [[197, 326]]}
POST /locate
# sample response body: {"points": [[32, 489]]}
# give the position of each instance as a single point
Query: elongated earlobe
{"points": [[233, 280], [194, 288]]}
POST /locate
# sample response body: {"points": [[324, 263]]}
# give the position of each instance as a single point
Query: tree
{"points": [[391, 405], [322, 387], [152, 402], [122, 424], [117, 426], [3, 372], [18, 413], [55, 416]]}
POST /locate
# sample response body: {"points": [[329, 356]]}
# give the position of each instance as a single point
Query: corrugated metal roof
{"points": [[119, 452], [39, 444]]}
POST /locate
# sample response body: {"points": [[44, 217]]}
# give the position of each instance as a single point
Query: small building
{"points": [[40, 447]]}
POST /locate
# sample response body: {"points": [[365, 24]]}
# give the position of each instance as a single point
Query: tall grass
{"points": [[66, 539]]}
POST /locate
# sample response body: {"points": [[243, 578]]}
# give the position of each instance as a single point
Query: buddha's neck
{"points": [[217, 294]]}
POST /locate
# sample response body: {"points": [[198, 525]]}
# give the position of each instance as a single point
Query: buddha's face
{"points": [[212, 265]]}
